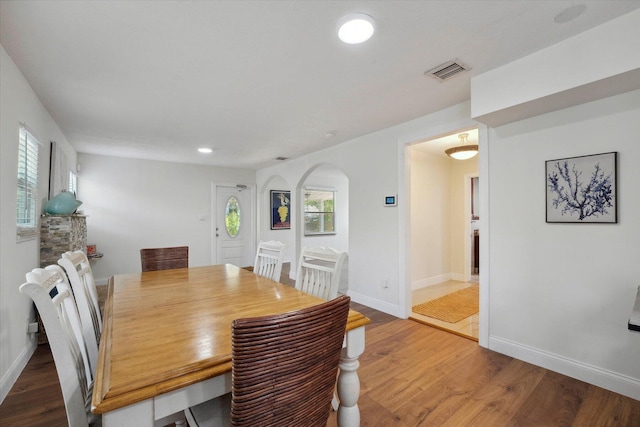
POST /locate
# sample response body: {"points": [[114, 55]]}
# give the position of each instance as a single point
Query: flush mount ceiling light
{"points": [[356, 28], [205, 150], [463, 151], [570, 13]]}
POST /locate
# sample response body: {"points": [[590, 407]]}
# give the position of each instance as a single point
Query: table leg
{"points": [[348, 381]]}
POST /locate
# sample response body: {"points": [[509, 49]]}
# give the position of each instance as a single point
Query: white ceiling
{"points": [[255, 80]]}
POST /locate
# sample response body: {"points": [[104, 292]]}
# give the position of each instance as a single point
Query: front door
{"points": [[234, 225]]}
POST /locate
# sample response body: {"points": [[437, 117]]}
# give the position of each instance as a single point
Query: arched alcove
{"points": [[323, 176]]}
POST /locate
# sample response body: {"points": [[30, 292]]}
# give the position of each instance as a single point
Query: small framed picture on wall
{"points": [[280, 210]]}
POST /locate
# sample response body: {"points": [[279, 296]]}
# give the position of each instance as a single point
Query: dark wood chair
{"points": [[284, 369], [164, 258]]}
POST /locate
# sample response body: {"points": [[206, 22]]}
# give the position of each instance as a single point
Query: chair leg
{"points": [[334, 402]]}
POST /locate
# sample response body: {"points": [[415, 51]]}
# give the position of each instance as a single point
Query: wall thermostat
{"points": [[391, 200]]}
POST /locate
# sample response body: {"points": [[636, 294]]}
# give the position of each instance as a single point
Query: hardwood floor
{"points": [[35, 399], [468, 327], [411, 375]]}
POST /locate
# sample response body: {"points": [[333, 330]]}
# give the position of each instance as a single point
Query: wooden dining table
{"points": [[166, 341]]}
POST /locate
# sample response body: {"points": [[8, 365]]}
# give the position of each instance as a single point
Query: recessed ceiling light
{"points": [[570, 13], [356, 28], [205, 150]]}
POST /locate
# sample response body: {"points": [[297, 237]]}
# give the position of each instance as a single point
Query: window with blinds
{"points": [[27, 204], [73, 183]]}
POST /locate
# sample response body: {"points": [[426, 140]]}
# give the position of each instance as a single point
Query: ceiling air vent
{"points": [[447, 70]]}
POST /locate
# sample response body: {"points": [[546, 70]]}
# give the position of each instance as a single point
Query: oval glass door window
{"points": [[232, 216]]}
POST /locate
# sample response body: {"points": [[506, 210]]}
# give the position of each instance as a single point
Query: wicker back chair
{"points": [[284, 368], [164, 258]]}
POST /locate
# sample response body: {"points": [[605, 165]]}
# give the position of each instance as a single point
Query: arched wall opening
{"points": [[323, 176]]}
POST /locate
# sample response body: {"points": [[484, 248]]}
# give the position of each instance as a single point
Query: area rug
{"points": [[453, 307]]}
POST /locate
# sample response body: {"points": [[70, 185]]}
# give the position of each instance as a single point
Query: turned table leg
{"points": [[348, 381]]}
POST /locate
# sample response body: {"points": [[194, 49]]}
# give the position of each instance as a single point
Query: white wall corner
{"points": [[430, 281], [606, 379], [460, 277], [376, 304], [11, 376]]}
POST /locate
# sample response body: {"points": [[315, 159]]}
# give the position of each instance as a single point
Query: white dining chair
{"points": [[77, 267], [319, 271], [268, 261], [51, 293]]}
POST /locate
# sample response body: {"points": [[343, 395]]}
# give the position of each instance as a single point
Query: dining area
{"points": [[206, 345]]}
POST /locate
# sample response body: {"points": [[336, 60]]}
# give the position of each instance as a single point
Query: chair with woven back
{"points": [[268, 261], [319, 271], [76, 265], [51, 293], [319, 274], [168, 258], [284, 369]]}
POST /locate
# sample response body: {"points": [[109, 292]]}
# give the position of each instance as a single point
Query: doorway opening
{"points": [[444, 230]]}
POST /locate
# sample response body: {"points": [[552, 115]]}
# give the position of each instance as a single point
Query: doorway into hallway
{"points": [[445, 232]]}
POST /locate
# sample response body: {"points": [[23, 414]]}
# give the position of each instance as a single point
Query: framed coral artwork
{"points": [[280, 210], [582, 189]]}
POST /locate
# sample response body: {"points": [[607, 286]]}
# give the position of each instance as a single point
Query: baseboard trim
{"points": [[430, 281], [459, 277], [18, 365], [618, 383], [383, 306]]}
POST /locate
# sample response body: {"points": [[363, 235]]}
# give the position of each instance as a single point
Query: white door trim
{"points": [[404, 218], [468, 240]]}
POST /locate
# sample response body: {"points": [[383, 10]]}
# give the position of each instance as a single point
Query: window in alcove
{"points": [[319, 212]]}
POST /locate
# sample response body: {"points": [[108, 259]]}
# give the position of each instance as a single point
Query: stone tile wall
{"points": [[59, 234]]}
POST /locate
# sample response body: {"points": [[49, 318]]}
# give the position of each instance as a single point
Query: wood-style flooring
{"points": [[411, 375]]}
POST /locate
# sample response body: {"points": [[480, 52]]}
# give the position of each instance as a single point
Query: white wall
{"points": [[430, 219], [561, 294], [374, 230], [133, 204], [438, 217], [19, 104], [460, 214]]}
